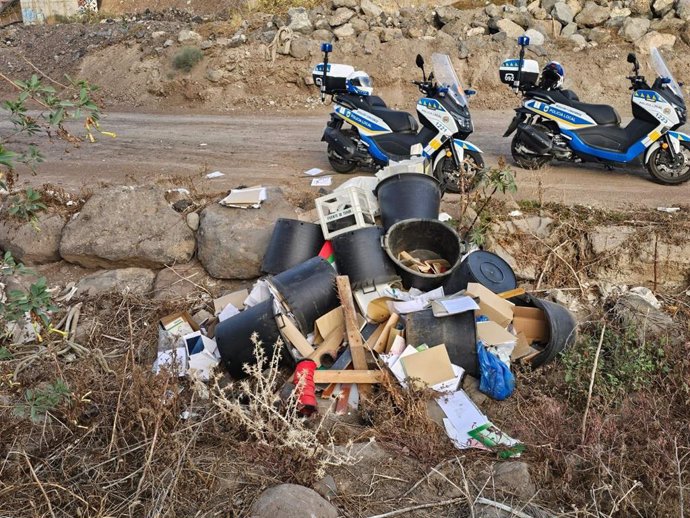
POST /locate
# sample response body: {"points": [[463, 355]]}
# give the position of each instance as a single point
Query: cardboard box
{"points": [[236, 298], [532, 322], [493, 334], [175, 321], [494, 307]]}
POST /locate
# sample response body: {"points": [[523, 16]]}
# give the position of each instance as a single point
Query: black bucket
{"points": [[484, 268], [562, 328], [408, 196], [426, 239], [292, 243], [308, 291], [458, 332], [234, 337], [360, 256]]}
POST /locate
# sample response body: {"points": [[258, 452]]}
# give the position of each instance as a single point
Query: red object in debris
{"points": [[327, 252], [307, 389]]}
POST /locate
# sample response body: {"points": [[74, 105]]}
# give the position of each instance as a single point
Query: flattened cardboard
{"points": [[522, 348], [494, 307], [325, 325], [429, 367], [172, 321], [236, 299], [492, 334], [531, 322]]}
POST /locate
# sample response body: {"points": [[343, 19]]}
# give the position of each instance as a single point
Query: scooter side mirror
{"points": [[420, 61], [632, 58], [469, 92]]}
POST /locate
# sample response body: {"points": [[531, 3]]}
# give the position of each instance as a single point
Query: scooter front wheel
{"points": [[339, 164], [668, 170], [462, 180]]}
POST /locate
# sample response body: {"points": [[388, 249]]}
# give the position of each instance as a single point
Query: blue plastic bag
{"points": [[496, 380]]}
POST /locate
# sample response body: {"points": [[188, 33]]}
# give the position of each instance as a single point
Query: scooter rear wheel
{"points": [[523, 158], [665, 170], [339, 164]]}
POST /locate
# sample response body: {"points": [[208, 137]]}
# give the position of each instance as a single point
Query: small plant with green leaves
{"points": [[38, 402], [26, 206], [10, 266], [500, 179], [36, 302], [187, 58]]}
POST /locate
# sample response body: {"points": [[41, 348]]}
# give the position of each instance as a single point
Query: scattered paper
{"points": [[492, 437], [260, 292], [463, 415], [452, 306], [175, 360], [324, 181], [515, 214], [670, 210], [314, 171], [444, 216], [227, 312], [214, 174], [245, 198], [416, 304], [203, 144]]}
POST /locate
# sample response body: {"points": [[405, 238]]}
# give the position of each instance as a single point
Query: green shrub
{"points": [[186, 58]]}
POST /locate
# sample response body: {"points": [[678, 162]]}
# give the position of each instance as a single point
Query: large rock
{"points": [[341, 16], [127, 226], [189, 37], [563, 13], [298, 20], [352, 4], [685, 34], [370, 9], [138, 281], [292, 501], [447, 14], [302, 48], [668, 23], [634, 28], [683, 10], [510, 28], [187, 280], [232, 242], [371, 43], [390, 34], [605, 239], [345, 31], [513, 477], [535, 37], [32, 243], [592, 15], [640, 7], [661, 7], [654, 39]]}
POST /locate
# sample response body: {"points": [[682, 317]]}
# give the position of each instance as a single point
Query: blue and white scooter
{"points": [[364, 132], [553, 123]]}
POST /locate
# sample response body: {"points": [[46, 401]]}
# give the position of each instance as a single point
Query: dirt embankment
{"points": [[132, 59]]}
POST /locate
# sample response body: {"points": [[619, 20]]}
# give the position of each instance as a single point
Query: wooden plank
{"points": [[295, 337], [348, 376], [382, 342], [512, 293], [354, 338]]}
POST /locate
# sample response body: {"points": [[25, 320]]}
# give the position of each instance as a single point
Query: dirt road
{"points": [[277, 149]]}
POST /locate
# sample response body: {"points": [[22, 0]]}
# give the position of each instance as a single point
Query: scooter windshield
{"points": [[445, 75], [662, 71]]}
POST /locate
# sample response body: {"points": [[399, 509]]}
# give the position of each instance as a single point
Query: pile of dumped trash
{"points": [[379, 283]]}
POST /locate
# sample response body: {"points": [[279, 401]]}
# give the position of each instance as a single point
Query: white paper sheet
{"points": [[459, 305], [227, 312], [416, 304], [314, 171], [173, 359], [259, 293], [324, 181], [214, 174], [462, 414]]}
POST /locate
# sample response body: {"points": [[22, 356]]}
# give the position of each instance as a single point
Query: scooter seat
{"points": [[399, 122], [602, 114]]}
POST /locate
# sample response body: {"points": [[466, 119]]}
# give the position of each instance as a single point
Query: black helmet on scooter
{"points": [[552, 75]]}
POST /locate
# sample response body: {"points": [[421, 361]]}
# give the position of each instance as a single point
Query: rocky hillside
{"points": [[263, 61]]}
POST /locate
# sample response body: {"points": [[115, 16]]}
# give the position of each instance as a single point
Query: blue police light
{"points": [[523, 41], [326, 47]]}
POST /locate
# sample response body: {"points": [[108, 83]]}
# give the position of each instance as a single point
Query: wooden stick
{"points": [[503, 507], [591, 383], [382, 342], [354, 338], [512, 293], [348, 376], [295, 337], [416, 507]]}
